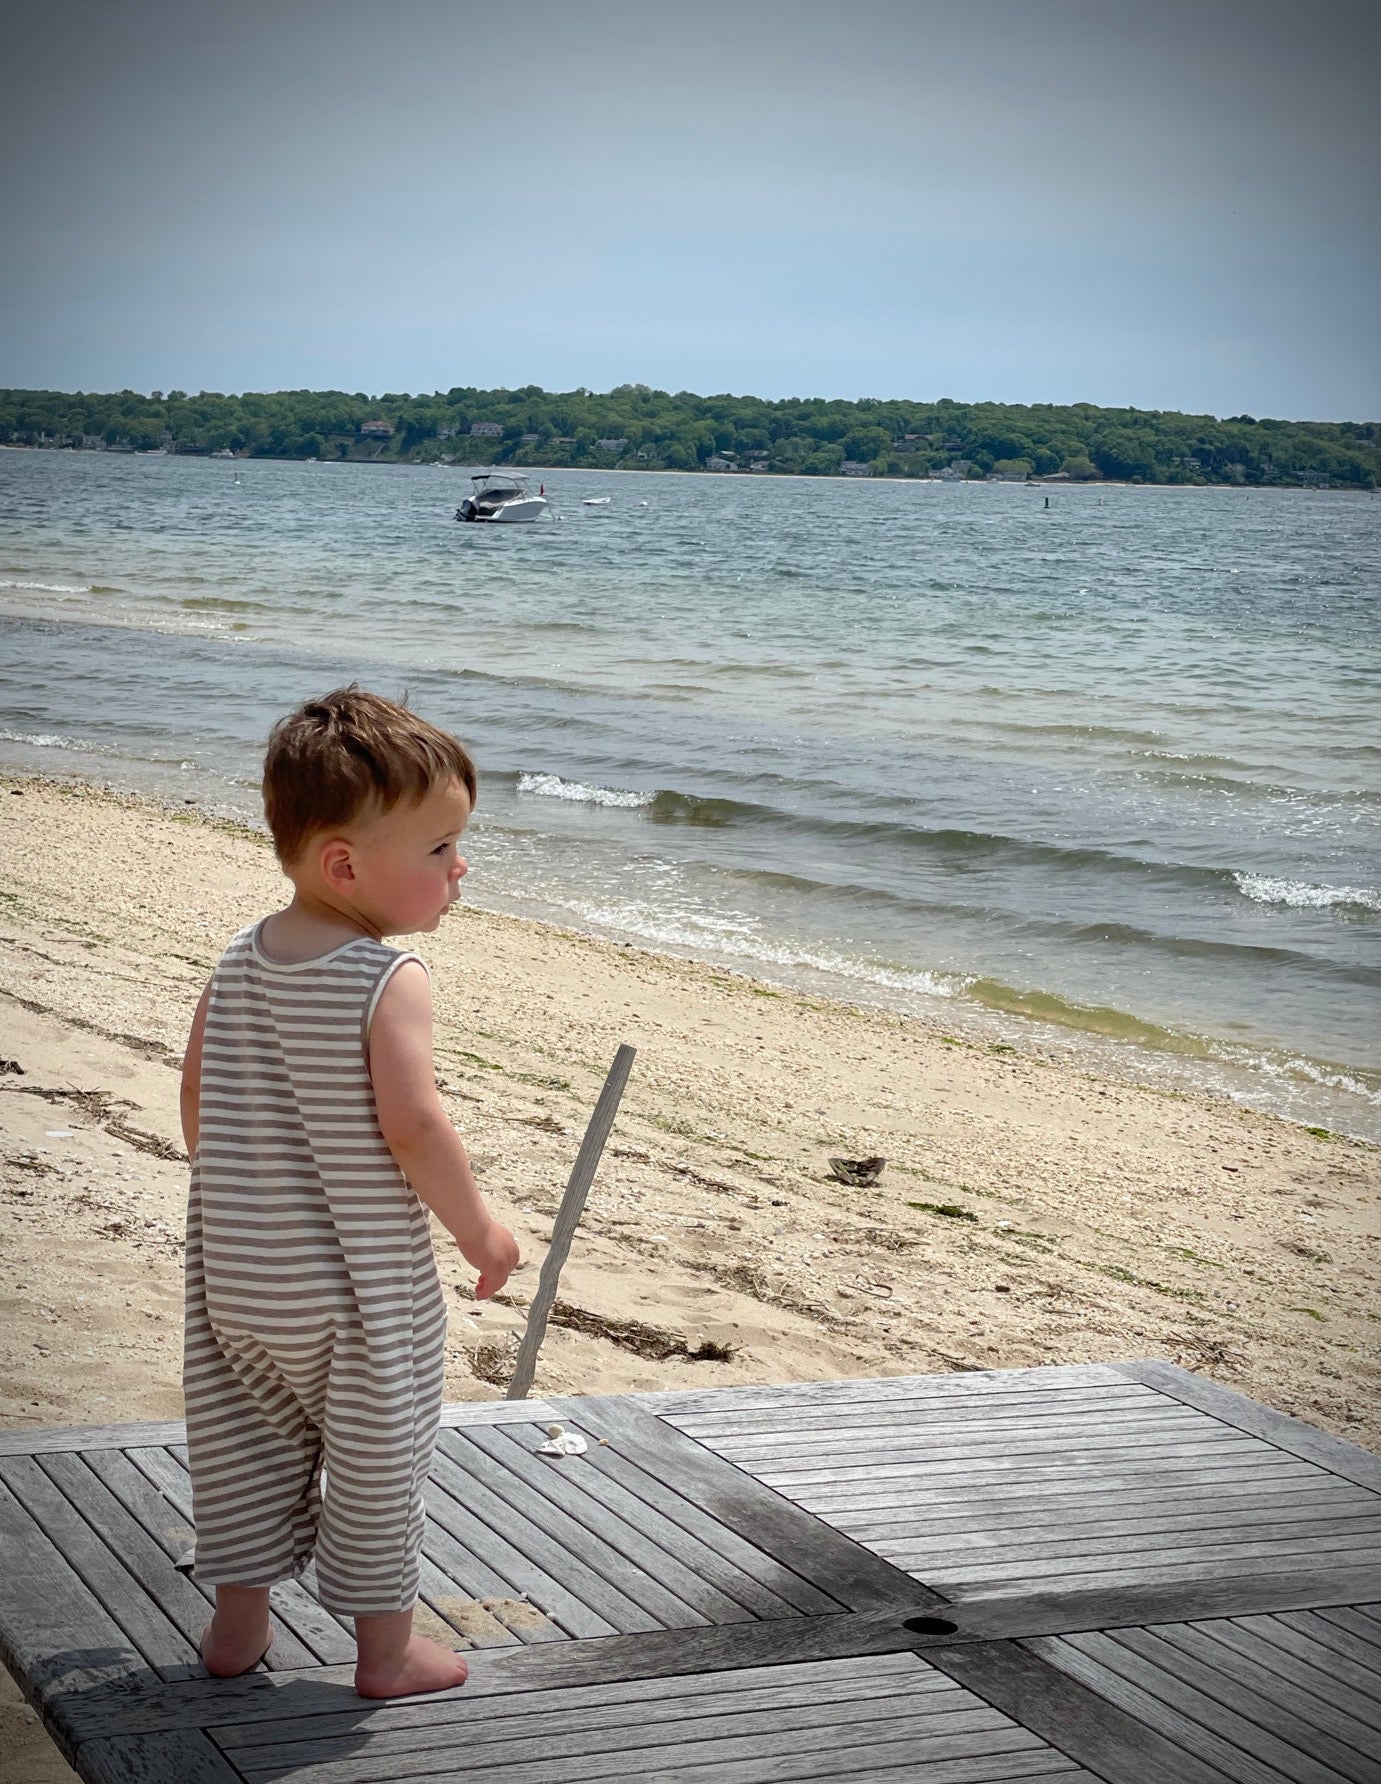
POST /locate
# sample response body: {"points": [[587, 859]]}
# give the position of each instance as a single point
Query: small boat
{"points": [[595, 501], [498, 495]]}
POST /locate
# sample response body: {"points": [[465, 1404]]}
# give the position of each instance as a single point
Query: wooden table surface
{"points": [[1116, 1572]]}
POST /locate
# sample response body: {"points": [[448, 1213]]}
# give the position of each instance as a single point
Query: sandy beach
{"points": [[1029, 1212]]}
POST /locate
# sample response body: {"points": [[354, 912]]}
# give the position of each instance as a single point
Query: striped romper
{"points": [[315, 1323]]}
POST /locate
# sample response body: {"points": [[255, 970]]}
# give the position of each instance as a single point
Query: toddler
{"points": [[315, 1323]]}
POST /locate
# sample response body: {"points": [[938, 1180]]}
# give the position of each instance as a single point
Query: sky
{"points": [[1170, 205]]}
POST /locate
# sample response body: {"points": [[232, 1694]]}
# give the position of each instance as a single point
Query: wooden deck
{"points": [[1122, 1573]]}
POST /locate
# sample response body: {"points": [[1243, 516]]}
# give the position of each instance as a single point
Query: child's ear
{"points": [[337, 865]]}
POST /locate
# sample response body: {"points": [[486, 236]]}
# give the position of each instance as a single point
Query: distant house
{"points": [[962, 465], [489, 430], [377, 430], [612, 445], [1007, 476], [855, 467], [948, 474], [715, 462], [531, 439]]}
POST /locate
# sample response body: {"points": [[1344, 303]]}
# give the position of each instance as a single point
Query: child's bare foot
{"points": [[238, 1636], [422, 1666]]}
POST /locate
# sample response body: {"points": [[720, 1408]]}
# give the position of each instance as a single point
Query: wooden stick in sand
{"points": [[567, 1219]]}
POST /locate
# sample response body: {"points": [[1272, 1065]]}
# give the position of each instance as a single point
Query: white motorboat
{"points": [[595, 501], [499, 495]]}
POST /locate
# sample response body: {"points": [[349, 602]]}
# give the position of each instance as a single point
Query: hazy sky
{"points": [[1169, 204]]}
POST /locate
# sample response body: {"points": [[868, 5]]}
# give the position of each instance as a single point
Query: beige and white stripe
{"points": [[315, 1323]]}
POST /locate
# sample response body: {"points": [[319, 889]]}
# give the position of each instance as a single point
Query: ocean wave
{"points": [[727, 936], [1300, 895], [44, 740], [552, 786], [49, 588]]}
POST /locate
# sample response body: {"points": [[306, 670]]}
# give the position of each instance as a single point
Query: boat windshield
{"points": [[490, 485]]}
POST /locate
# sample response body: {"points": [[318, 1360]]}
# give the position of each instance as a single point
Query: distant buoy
{"points": [[1047, 501]]}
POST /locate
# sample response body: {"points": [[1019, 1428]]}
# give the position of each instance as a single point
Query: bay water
{"points": [[1088, 770]]}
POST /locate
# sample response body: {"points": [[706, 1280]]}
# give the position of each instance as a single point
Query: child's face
{"points": [[407, 862]]}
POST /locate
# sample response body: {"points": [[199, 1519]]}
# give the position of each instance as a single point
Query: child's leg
{"points": [[238, 1636], [394, 1662]]}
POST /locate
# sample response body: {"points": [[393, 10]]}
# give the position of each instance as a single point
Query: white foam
{"points": [[49, 588], [731, 936], [551, 786], [43, 740], [1300, 895]]}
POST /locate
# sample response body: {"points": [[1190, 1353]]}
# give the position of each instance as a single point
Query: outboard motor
{"points": [[467, 509]]}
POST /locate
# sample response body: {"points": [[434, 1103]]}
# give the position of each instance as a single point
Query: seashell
{"points": [[858, 1172], [569, 1443], [556, 1430]]}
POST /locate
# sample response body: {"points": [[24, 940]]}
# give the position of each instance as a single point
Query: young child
{"points": [[315, 1323]]}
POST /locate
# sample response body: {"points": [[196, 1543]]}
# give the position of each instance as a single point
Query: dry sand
{"points": [[1029, 1212]]}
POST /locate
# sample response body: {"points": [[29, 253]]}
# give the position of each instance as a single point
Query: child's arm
{"points": [[189, 1097], [419, 1135]]}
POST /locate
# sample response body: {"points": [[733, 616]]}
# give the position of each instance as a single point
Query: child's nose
{"points": [[461, 868]]}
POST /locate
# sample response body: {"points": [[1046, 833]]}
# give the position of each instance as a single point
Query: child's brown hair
{"points": [[350, 749]]}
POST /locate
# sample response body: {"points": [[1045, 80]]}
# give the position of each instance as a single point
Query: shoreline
{"points": [[1132, 1050], [536, 470]]}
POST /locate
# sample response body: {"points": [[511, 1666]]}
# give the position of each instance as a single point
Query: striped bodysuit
{"points": [[315, 1323]]}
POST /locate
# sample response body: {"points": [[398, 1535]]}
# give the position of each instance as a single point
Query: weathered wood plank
{"points": [[638, 1534], [56, 1641], [954, 1478], [1045, 1762], [1185, 1718], [968, 1436], [1186, 1508], [681, 1402], [118, 1592], [1235, 1409], [179, 1756], [782, 1586], [700, 1747], [1363, 1658], [1350, 1618], [1183, 1666], [456, 1587], [473, 1503], [1002, 1408], [522, 1576], [594, 1540], [50, 1439], [625, 1702], [462, 1415], [294, 1609], [1282, 1647], [937, 1464], [1258, 1721], [1154, 1537], [1063, 1489], [508, 1739], [1067, 1714], [844, 1569], [662, 1519], [1107, 1571], [1221, 1651]]}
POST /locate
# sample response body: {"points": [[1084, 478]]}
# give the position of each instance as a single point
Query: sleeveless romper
{"points": [[315, 1323]]}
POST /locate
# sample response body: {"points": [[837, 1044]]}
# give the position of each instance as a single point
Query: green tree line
{"points": [[634, 427]]}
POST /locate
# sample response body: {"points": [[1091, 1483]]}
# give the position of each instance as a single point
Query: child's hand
{"points": [[495, 1256]]}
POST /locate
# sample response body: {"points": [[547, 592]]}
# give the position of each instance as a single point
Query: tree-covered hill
{"points": [[633, 427]]}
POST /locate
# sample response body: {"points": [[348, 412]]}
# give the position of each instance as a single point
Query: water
{"points": [[1100, 777]]}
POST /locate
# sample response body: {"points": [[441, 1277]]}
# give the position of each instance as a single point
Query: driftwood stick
{"points": [[567, 1219]]}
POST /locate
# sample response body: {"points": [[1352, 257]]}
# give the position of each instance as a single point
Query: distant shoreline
{"points": [[477, 466]]}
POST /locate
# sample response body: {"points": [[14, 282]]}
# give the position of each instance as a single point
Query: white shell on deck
{"points": [[566, 1443]]}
